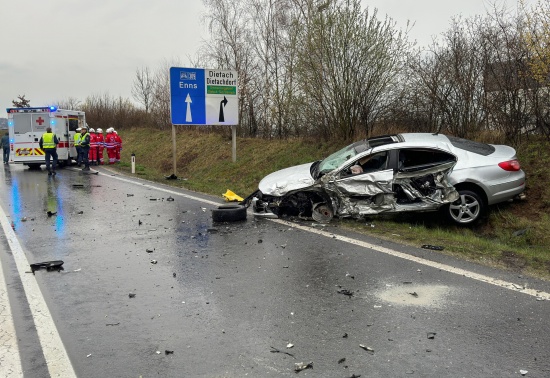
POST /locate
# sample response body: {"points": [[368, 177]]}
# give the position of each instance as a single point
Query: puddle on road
{"points": [[415, 295]]}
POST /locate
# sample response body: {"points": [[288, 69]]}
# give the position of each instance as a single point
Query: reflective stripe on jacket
{"points": [[85, 140], [48, 140]]}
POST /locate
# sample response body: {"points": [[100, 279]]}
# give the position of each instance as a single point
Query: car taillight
{"points": [[510, 165]]}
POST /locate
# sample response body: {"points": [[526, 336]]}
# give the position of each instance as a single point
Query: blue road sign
{"points": [[188, 102]]}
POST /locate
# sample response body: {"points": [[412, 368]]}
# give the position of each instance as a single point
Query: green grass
{"points": [[515, 236]]}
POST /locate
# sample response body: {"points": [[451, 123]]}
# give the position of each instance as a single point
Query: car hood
{"points": [[287, 180]]}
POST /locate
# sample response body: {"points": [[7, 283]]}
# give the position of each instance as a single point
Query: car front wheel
{"points": [[468, 209]]}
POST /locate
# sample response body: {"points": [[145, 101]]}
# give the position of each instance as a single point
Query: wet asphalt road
{"points": [[225, 300]]}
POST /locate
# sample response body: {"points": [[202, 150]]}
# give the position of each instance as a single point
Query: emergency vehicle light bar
{"points": [[32, 110]]}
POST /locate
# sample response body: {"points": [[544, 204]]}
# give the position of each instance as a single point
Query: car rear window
{"points": [[471, 146]]}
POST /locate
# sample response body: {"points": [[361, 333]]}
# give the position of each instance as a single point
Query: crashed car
{"points": [[393, 174]]}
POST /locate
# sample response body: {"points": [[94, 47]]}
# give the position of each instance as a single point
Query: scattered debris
{"points": [[112, 324], [355, 376], [80, 212], [171, 177], [367, 348], [152, 199], [289, 345], [168, 351], [78, 185], [345, 292], [350, 276], [275, 350], [345, 336], [132, 295], [154, 261], [173, 274], [523, 372], [149, 250], [89, 355], [431, 335], [212, 230], [157, 352], [140, 222], [433, 247], [24, 219], [170, 199], [48, 265], [299, 366], [129, 195], [51, 213], [342, 360], [414, 294]]}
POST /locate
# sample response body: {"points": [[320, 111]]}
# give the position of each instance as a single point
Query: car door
{"points": [[420, 181], [367, 189]]}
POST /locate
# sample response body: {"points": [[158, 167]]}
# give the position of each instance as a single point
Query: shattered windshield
{"points": [[338, 158]]}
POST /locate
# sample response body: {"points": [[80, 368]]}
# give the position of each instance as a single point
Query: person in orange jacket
{"points": [[110, 144], [100, 145], [92, 155], [118, 147]]}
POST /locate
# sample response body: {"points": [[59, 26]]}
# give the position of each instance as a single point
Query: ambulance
{"points": [[26, 126]]}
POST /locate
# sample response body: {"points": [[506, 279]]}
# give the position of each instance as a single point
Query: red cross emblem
{"points": [[40, 121]]}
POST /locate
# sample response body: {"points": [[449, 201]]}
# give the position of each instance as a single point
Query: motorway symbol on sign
{"points": [[203, 97]]}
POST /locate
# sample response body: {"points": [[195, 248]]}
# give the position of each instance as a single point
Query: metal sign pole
{"points": [[174, 176]]}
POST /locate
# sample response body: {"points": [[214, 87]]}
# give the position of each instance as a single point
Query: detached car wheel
{"points": [[468, 209], [229, 213]]}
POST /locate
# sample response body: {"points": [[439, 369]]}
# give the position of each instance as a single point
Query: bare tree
{"points": [[143, 88]]}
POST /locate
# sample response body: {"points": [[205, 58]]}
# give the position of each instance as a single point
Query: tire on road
{"points": [[229, 213]]}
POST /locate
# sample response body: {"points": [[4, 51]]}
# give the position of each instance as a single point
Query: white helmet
{"points": [[109, 130], [79, 129], [99, 130], [92, 130]]}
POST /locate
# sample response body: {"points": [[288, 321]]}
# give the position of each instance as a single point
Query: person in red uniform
{"points": [[92, 155], [100, 145], [110, 144], [118, 147]]}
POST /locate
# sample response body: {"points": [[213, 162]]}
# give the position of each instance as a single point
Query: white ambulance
{"points": [[26, 126]]}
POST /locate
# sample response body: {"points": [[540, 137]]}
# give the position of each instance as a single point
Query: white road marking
{"points": [[540, 295], [55, 354], [10, 362]]}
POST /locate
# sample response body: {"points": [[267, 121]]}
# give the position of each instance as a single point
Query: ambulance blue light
{"points": [[53, 108], [10, 123], [52, 122]]}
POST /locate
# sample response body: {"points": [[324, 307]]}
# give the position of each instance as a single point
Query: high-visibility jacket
{"points": [[85, 140], [77, 139], [48, 140]]}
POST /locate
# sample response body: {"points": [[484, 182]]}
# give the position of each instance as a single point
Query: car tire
{"points": [[229, 213], [467, 210]]}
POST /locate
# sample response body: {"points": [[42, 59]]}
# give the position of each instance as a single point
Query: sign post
{"points": [[203, 97]]}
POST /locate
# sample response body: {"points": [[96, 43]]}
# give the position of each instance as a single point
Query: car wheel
{"points": [[229, 213], [467, 209]]}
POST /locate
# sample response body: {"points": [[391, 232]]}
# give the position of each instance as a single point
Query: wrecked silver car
{"points": [[392, 174]]}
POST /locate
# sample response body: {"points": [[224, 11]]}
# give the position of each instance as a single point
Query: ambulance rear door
{"points": [[26, 129]]}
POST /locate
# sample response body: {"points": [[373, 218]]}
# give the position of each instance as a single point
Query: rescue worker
{"points": [[48, 143], [110, 144], [77, 146], [100, 145], [93, 147], [85, 147], [118, 147], [6, 147]]}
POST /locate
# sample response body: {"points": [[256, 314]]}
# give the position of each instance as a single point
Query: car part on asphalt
{"points": [[434, 247], [232, 196], [229, 213], [56, 265]]}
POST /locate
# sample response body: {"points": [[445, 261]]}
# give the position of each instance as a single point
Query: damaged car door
{"points": [[392, 181], [363, 186]]}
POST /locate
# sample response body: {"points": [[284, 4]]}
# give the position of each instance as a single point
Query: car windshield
{"points": [[336, 159]]}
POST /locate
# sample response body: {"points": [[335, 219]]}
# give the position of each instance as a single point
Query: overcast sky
{"points": [[53, 50]]}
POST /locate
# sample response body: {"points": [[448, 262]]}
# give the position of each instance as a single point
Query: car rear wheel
{"points": [[468, 209]]}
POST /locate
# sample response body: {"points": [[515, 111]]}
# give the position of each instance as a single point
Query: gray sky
{"points": [[52, 50]]}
